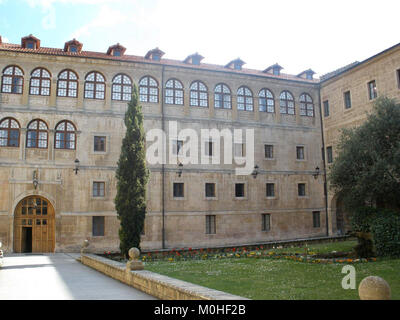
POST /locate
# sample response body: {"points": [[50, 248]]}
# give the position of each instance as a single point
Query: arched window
{"points": [[65, 135], [94, 86], [148, 89], [198, 94], [174, 92], [67, 84], [12, 80], [9, 132], [36, 135], [121, 88], [222, 96], [286, 102], [306, 105], [40, 82], [266, 101], [244, 99]]}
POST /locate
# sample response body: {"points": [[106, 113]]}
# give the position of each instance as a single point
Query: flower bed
{"points": [[243, 252]]}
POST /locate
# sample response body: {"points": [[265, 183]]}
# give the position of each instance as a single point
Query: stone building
{"points": [[61, 127], [347, 94]]}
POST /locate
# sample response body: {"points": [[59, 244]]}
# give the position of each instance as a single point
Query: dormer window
{"points": [[154, 54], [30, 42], [274, 69], [30, 45], [116, 50], [307, 74], [73, 46], [194, 59], [235, 64]]}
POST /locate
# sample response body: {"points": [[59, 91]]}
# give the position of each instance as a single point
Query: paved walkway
{"points": [[59, 277]]}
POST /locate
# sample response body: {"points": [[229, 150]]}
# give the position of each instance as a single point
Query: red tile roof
{"points": [[166, 62]]}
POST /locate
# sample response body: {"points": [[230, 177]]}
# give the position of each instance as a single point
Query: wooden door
{"points": [[37, 213]]}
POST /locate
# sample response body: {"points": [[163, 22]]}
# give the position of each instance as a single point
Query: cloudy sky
{"points": [[319, 34]]}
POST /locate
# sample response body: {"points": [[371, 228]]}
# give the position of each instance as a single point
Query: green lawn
{"points": [[280, 278]]}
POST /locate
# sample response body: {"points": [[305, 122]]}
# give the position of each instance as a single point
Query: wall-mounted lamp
{"points": [[316, 174], [255, 172], [76, 166], [180, 165]]}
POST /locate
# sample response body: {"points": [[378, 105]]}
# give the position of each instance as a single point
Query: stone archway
{"points": [[34, 225]]}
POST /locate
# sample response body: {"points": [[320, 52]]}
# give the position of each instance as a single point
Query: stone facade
{"points": [[384, 70], [238, 220]]}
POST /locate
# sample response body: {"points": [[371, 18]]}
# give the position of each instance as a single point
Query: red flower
{"points": [[190, 249], [234, 249]]}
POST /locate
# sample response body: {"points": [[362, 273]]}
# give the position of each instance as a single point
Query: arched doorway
{"points": [[34, 225]]}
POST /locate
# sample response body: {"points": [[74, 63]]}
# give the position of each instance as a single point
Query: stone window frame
{"points": [[306, 108], [96, 84], [273, 150], [42, 79], [147, 96], [275, 183], [326, 114], [346, 94], [69, 80], [245, 190], [196, 100], [104, 227], [38, 130], [329, 155], [184, 190], [9, 129], [316, 225], [105, 182], [17, 80], [207, 223], [372, 91], [304, 153], [284, 102], [216, 190], [226, 96], [245, 93], [65, 131], [263, 224], [121, 95], [306, 191], [177, 86], [107, 146], [267, 98]]}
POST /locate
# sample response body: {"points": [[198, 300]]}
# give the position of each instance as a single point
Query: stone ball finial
{"points": [[85, 243], [374, 288], [0, 244], [134, 253]]}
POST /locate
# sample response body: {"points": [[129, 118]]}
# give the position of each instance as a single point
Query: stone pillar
{"points": [[256, 108], [25, 91], [107, 97], [53, 93], [79, 100], [134, 263]]}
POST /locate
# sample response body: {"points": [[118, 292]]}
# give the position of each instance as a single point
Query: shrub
{"points": [[386, 234]]}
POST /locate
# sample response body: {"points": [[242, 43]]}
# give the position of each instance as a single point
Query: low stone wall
{"points": [[154, 284]]}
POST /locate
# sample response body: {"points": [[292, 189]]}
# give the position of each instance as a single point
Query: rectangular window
{"points": [[265, 222], [269, 151], [316, 219], [210, 190], [398, 78], [270, 189], [210, 224], [239, 190], [178, 190], [300, 153], [177, 146], [98, 226], [347, 100], [239, 150], [329, 154], [99, 144], [326, 108], [98, 189], [301, 189], [372, 93], [209, 148]]}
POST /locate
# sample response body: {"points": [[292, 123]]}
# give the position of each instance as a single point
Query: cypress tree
{"points": [[132, 176]]}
